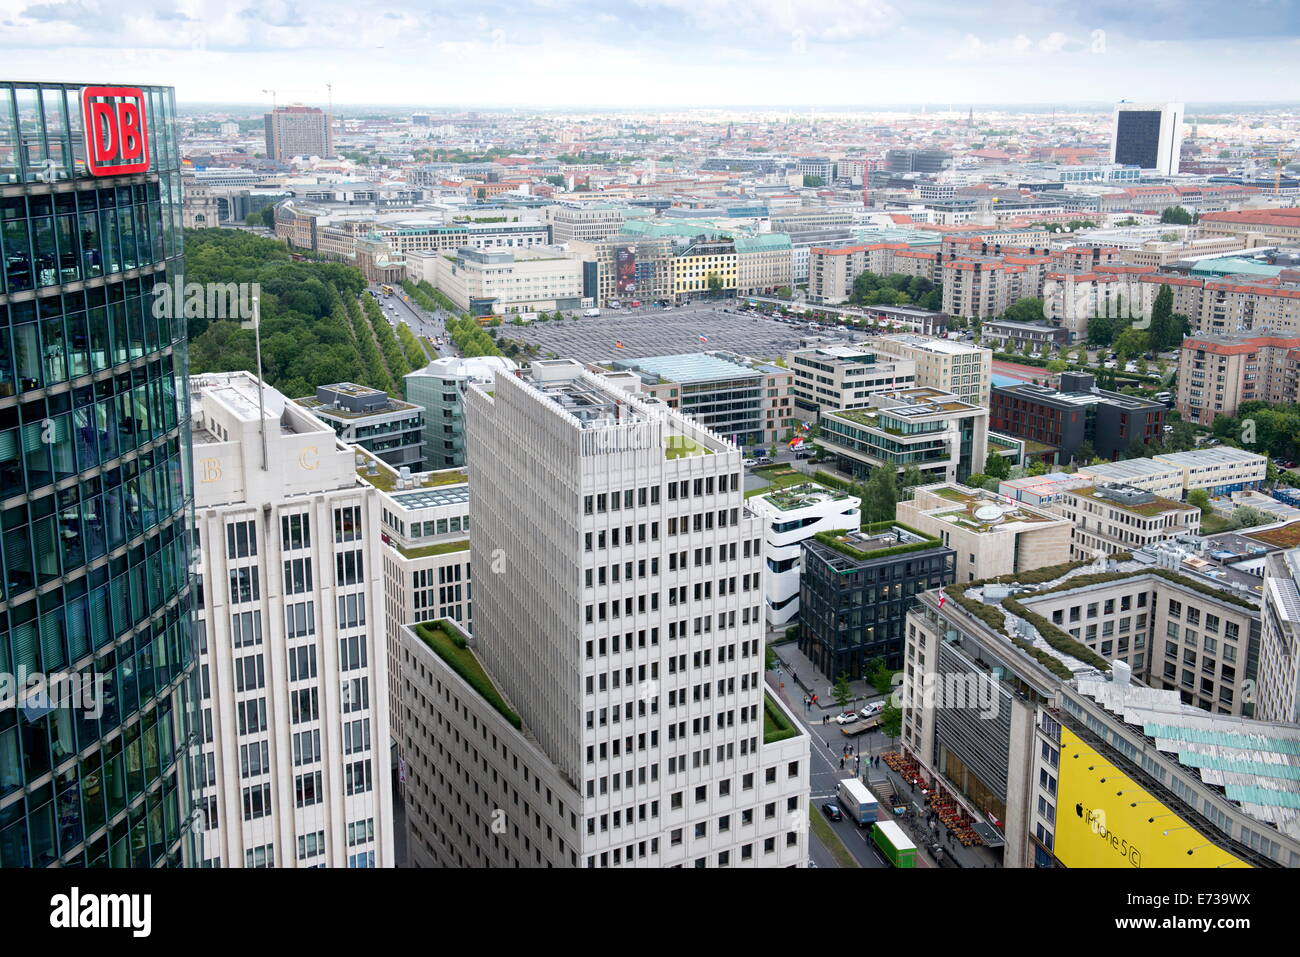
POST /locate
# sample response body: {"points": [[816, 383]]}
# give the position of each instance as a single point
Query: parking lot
{"points": [[670, 332]]}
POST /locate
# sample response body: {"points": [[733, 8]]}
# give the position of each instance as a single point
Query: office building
{"points": [[945, 438], [719, 391], [1041, 490], [1158, 478], [960, 368], [625, 267], [793, 515], [990, 535], [1148, 135], [617, 689], [764, 263], [424, 530], [94, 458], [855, 590], [1120, 518], [292, 769], [1255, 226], [916, 161], [1220, 470], [1006, 336], [298, 131], [1064, 419], [389, 428], [832, 378], [1035, 706], [1278, 698], [588, 223], [439, 390], [503, 282]]}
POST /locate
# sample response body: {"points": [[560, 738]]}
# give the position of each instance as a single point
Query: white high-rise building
{"points": [[618, 718], [1279, 644], [1148, 135], [293, 763]]}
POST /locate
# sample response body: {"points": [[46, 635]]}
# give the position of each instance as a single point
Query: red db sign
{"points": [[117, 132]]}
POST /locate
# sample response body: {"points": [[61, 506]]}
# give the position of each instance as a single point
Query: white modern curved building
{"points": [[791, 515]]}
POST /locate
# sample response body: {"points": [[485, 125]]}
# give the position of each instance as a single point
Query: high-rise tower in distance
{"points": [[1148, 135], [95, 483]]}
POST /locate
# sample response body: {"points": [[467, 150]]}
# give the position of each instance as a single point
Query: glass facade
{"points": [[95, 496], [853, 611]]}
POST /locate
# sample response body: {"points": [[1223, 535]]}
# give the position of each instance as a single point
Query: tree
{"points": [[1246, 516], [1037, 467], [769, 657], [714, 282], [1131, 342], [1086, 452], [891, 720], [268, 217], [842, 693], [881, 678], [1176, 215], [558, 181], [880, 495], [812, 182], [997, 466], [1201, 499], [1029, 309], [912, 477]]}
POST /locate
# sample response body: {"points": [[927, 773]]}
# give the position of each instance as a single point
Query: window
{"points": [[246, 628], [352, 652], [347, 524], [357, 776], [307, 789], [241, 539], [297, 576], [356, 736], [302, 663]]}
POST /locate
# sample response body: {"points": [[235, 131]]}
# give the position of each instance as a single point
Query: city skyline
{"points": [[666, 52]]}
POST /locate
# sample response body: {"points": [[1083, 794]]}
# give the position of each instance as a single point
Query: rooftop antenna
{"points": [[272, 92]]}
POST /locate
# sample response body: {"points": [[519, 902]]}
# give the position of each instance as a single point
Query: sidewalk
{"points": [[799, 674]]}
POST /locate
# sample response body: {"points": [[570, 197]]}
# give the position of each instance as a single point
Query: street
{"points": [[422, 323]]}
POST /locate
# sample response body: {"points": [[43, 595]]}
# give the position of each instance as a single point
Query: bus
{"points": [[386, 290]]}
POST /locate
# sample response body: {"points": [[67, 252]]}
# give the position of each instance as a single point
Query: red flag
{"points": [[942, 598]]}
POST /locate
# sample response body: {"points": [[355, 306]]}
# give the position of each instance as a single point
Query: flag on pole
{"points": [[942, 598], [704, 338]]}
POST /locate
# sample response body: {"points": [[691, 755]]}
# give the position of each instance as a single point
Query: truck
{"points": [[593, 312], [860, 803], [896, 846], [860, 726]]}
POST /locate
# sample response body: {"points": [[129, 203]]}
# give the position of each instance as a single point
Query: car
{"points": [[803, 455], [871, 710], [763, 460], [848, 717], [832, 811]]}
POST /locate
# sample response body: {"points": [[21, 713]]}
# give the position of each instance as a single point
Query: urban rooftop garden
{"points": [[449, 643]]}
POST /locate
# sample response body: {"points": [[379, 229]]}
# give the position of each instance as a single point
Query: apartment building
{"points": [[503, 282], [1071, 299], [945, 438], [989, 535], [843, 377], [1119, 518], [832, 270], [791, 516], [1218, 373], [294, 684], [635, 750], [387, 427], [298, 131], [1220, 470], [856, 588], [960, 368]]}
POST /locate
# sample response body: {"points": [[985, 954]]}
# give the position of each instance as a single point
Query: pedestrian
{"points": [[841, 762]]}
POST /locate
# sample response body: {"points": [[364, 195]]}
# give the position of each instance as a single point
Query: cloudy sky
{"points": [[666, 52]]}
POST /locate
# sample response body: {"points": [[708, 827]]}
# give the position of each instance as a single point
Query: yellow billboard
{"points": [[1103, 819]]}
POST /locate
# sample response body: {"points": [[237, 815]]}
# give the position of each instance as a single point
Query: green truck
{"points": [[894, 844]]}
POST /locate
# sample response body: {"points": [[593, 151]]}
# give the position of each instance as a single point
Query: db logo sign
{"points": [[117, 132]]}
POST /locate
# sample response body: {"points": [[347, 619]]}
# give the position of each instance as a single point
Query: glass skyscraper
{"points": [[95, 493]]}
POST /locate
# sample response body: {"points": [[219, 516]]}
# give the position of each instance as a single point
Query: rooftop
{"points": [[1144, 503], [689, 368]]}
